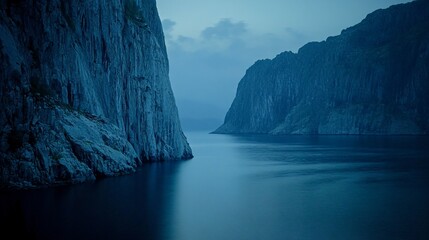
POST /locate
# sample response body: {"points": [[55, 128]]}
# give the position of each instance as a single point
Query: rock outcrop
{"points": [[371, 79], [85, 91]]}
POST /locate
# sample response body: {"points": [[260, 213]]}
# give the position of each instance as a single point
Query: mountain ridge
{"points": [[370, 79]]}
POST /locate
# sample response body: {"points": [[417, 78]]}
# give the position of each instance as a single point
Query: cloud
{"points": [[225, 28], [293, 33], [168, 25], [218, 38], [185, 43], [208, 67], [228, 37]]}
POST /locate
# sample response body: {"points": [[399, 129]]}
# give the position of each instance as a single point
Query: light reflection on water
{"points": [[304, 187], [250, 187]]}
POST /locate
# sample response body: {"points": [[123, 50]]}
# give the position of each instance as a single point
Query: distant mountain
{"points": [[371, 79], [198, 115]]}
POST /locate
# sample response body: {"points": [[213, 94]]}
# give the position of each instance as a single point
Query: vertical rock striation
{"points": [[371, 79], [85, 91]]}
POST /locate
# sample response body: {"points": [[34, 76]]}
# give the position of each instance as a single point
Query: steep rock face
{"points": [[371, 79], [84, 90]]}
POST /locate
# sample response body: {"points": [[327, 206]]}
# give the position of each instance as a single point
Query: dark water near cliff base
{"points": [[246, 187]]}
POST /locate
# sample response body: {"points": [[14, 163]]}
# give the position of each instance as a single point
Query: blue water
{"points": [[246, 187]]}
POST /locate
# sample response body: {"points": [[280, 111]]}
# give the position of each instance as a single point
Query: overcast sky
{"points": [[211, 43]]}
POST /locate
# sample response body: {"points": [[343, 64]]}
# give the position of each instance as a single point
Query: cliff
{"points": [[85, 91], [371, 79]]}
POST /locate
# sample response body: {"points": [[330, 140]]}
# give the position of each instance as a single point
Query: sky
{"points": [[210, 44]]}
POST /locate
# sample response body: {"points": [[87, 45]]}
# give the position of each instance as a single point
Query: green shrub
{"points": [[40, 89], [15, 140], [56, 156], [134, 13], [67, 17]]}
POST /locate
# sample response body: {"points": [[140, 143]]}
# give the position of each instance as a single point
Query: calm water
{"points": [[246, 187]]}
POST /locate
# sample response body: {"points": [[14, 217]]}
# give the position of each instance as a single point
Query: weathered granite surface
{"points": [[85, 91], [371, 79]]}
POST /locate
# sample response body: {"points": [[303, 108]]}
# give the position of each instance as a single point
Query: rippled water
{"points": [[246, 187]]}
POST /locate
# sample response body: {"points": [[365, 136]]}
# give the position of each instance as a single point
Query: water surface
{"points": [[246, 187]]}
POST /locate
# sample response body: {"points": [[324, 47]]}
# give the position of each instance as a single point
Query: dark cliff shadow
{"points": [[13, 221], [137, 206], [328, 158]]}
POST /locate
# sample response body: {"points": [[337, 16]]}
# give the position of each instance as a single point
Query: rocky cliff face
{"points": [[371, 79], [85, 91]]}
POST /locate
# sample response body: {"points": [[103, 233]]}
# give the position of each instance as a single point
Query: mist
{"points": [[211, 46], [188, 119]]}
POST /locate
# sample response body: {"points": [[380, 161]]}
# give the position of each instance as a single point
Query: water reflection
{"points": [[129, 207], [246, 187], [367, 157], [304, 187]]}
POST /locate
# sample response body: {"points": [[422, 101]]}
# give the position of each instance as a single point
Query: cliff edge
{"points": [[85, 91], [371, 79]]}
